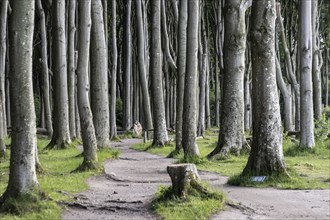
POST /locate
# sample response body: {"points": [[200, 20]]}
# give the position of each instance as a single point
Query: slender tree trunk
{"points": [[61, 135], [231, 134], [181, 63], [3, 48], [247, 99], [316, 71], [99, 77], [86, 118], [71, 69], [327, 77], [189, 119], [22, 175], [266, 156], [127, 68], [306, 86], [160, 132], [142, 69], [113, 85]]}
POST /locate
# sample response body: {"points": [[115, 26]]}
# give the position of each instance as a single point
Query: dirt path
{"points": [[130, 182]]}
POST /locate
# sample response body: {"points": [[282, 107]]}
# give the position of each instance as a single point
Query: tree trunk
{"points": [[22, 175], [85, 113], [316, 71], [189, 119], [113, 85], [306, 86], [127, 68], [142, 68], [71, 68], [61, 136], [327, 77], [266, 156], [231, 134], [160, 132], [3, 48], [99, 77], [181, 63]]}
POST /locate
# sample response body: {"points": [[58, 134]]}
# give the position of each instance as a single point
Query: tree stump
{"points": [[184, 177]]}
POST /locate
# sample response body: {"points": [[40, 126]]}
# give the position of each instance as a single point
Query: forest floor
{"points": [[129, 184]]}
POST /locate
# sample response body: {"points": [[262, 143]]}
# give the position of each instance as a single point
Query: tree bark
{"points": [[22, 175], [160, 132], [189, 119], [306, 86], [142, 68], [113, 85], [266, 156], [316, 71], [181, 63], [85, 113], [61, 135], [71, 68], [231, 134], [99, 77]]}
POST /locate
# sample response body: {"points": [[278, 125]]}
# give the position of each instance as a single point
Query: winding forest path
{"points": [[129, 184]]}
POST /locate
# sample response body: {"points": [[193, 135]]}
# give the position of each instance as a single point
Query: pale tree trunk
{"points": [[45, 74], [189, 119], [286, 98], [247, 99], [326, 77], [85, 113], [71, 68], [22, 175], [113, 85], [306, 85], [99, 77], [61, 135], [266, 156], [3, 48], [142, 68], [127, 67], [316, 71], [181, 63], [231, 136], [160, 132]]}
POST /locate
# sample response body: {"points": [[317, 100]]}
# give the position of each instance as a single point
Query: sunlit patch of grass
{"points": [[58, 181]]}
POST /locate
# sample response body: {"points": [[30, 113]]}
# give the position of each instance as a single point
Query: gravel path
{"points": [[129, 184]]}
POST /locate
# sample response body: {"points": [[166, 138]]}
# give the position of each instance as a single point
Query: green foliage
{"points": [[195, 206], [322, 126], [58, 181], [119, 111]]}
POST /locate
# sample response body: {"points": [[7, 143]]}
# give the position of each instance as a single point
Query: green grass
{"points": [[58, 181], [196, 206], [308, 169]]}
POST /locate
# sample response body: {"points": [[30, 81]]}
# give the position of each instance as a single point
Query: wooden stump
{"points": [[184, 177]]}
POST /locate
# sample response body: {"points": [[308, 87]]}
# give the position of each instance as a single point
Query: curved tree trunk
{"points": [[22, 175], [71, 69], [61, 136], [142, 69], [181, 63], [99, 77], [231, 134], [266, 156], [306, 85], [160, 132], [85, 113], [189, 119], [113, 86]]}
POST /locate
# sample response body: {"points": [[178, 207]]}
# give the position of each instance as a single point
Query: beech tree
{"points": [[113, 84], [99, 77], [86, 118], [266, 156], [160, 132], [61, 136], [189, 119], [22, 175], [231, 136]]}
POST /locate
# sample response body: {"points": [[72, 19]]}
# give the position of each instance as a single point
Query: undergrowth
{"points": [[58, 183]]}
